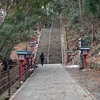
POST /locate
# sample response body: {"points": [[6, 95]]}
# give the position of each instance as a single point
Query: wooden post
{"points": [[21, 69], [85, 62]]}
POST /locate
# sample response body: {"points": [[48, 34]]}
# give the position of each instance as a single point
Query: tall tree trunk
{"points": [[80, 11], [93, 34]]}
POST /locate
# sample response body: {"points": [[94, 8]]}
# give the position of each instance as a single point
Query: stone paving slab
{"points": [[51, 82]]}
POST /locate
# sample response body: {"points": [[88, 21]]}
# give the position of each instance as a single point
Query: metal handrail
{"points": [[3, 78], [7, 76], [4, 72], [13, 79], [13, 73], [3, 86], [10, 82]]}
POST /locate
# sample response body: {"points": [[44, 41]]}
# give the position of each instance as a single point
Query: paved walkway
{"points": [[51, 82]]}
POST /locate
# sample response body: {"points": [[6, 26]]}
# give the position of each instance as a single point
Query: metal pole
{"points": [[27, 64], [25, 71], [30, 63], [0, 84], [8, 82], [31, 48]]}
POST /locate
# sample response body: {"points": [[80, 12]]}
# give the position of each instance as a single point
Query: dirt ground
{"points": [[89, 79]]}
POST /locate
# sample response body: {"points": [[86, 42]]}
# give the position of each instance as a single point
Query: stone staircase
{"points": [[55, 45]]}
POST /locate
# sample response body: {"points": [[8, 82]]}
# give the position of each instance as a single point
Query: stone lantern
{"points": [[69, 53], [84, 52]]}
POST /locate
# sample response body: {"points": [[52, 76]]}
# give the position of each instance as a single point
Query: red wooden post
{"points": [[69, 58], [31, 57], [32, 45], [34, 38], [32, 48], [84, 51], [21, 69], [85, 61], [31, 60], [23, 55], [69, 53]]}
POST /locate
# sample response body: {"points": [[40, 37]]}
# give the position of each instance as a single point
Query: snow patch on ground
{"points": [[72, 66]]}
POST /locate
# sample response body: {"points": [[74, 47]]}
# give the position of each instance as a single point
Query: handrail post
{"points": [[8, 81], [0, 85], [25, 72]]}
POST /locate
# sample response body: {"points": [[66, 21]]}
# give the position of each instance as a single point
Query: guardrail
{"points": [[10, 79]]}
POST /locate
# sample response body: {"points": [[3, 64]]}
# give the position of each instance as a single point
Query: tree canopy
{"points": [[19, 17]]}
